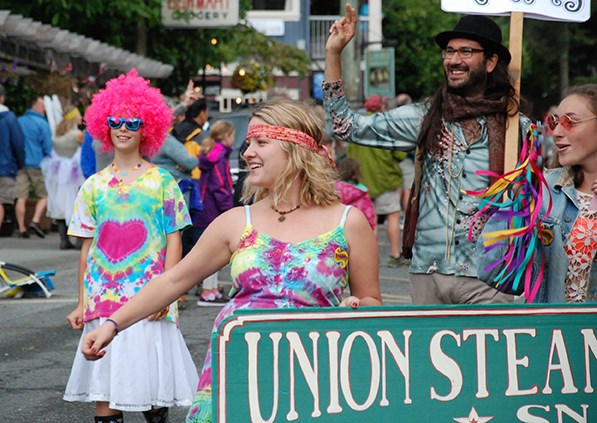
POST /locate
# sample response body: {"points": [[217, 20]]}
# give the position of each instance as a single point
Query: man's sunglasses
{"points": [[132, 124], [566, 121]]}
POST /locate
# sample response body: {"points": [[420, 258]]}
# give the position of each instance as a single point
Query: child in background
{"points": [[216, 189], [129, 216], [353, 192]]}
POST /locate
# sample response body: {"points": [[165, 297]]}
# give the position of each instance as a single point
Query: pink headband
{"points": [[282, 133]]}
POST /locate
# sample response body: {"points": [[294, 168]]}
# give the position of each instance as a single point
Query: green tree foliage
{"points": [[410, 27], [118, 22], [264, 57], [549, 48], [557, 55]]}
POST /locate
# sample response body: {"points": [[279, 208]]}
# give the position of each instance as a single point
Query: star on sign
{"points": [[473, 417]]}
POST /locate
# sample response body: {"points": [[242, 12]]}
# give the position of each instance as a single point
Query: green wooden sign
{"points": [[379, 73], [467, 364]]}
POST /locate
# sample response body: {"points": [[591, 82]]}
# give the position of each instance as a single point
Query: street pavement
{"points": [[37, 346]]}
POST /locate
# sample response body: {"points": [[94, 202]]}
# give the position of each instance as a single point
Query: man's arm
{"points": [[17, 141], [341, 32], [179, 154]]}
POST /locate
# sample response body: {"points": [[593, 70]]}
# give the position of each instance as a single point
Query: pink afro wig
{"points": [[130, 96]]}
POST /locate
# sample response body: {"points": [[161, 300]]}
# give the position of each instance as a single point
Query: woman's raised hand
{"points": [[342, 31]]}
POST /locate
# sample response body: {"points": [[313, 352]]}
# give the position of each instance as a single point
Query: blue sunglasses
{"points": [[132, 124]]}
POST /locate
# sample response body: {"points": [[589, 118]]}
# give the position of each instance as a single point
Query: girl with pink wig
{"points": [[296, 245], [129, 216]]}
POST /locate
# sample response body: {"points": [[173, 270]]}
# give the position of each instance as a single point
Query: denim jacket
{"points": [[556, 227], [441, 239]]}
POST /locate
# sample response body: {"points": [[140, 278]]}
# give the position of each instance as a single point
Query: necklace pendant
{"points": [[281, 218]]}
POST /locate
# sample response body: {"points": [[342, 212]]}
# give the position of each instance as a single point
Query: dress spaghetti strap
{"points": [[344, 215], [248, 215]]}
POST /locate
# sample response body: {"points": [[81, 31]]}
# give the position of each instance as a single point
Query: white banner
{"points": [[199, 13], [549, 10]]}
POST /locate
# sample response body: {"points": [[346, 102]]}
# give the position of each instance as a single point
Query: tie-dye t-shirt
{"points": [[128, 224], [268, 273]]}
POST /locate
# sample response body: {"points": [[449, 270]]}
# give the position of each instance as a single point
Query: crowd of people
{"points": [[159, 217]]}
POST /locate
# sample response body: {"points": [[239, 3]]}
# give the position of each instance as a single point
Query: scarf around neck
{"points": [[464, 110]]}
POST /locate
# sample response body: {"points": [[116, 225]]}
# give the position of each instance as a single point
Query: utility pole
{"points": [[375, 36], [351, 63]]}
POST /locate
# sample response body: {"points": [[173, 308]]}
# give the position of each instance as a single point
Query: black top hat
{"points": [[481, 29]]}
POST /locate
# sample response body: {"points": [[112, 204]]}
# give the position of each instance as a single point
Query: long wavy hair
{"points": [[588, 92], [217, 131], [316, 175], [497, 86], [71, 118], [130, 96]]}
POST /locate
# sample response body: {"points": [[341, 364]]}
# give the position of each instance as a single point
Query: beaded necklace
{"points": [[122, 175], [450, 234], [282, 214]]}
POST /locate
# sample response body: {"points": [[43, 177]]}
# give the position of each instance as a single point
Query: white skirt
{"points": [[148, 365]]}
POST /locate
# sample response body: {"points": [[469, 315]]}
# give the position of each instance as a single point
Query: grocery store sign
{"points": [[411, 364], [199, 13]]}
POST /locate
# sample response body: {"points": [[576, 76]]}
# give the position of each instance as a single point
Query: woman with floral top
{"points": [[569, 233]]}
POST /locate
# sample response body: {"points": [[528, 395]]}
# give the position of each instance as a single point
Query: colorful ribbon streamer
{"points": [[516, 197]]}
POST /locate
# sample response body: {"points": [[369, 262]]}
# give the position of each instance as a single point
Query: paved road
{"points": [[37, 347]]}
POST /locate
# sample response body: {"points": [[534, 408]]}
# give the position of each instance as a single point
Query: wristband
{"points": [[115, 325]]}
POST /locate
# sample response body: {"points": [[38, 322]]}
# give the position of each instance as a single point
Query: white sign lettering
{"points": [[550, 10]]}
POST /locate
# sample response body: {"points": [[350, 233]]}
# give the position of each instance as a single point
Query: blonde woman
{"points": [[63, 172], [273, 265], [567, 251]]}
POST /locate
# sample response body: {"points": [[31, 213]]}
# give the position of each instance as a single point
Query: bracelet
{"points": [[115, 325]]}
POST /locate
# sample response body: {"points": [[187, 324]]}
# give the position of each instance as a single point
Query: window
{"points": [[269, 4], [287, 10]]}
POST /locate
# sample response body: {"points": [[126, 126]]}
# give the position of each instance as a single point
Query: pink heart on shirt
{"points": [[119, 240]]}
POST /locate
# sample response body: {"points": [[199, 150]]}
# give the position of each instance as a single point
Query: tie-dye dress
{"points": [[268, 273], [149, 363]]}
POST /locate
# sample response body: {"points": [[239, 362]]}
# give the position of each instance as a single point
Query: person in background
{"points": [[273, 265], [88, 164], [38, 145], [568, 237], [103, 157], [12, 154], [190, 133], [191, 128], [63, 172], [353, 192], [129, 216], [382, 175], [174, 158], [407, 165], [215, 186], [453, 133], [188, 98]]}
